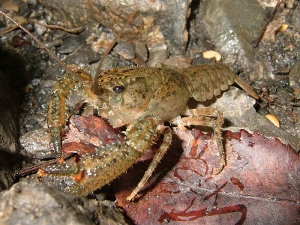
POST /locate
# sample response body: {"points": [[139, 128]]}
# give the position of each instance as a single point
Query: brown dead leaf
{"points": [[259, 185], [87, 133]]}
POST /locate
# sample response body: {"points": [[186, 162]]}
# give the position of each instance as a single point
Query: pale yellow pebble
{"points": [[273, 119], [212, 54], [283, 27]]}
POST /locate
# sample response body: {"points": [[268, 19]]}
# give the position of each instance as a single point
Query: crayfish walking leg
{"points": [[156, 159], [211, 117]]}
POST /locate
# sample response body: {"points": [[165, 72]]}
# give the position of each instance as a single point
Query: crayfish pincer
{"points": [[110, 161]]}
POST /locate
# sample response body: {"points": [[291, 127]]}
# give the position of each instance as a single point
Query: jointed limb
{"points": [[210, 117], [156, 159]]}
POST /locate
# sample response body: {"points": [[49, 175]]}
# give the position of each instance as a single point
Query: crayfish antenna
{"points": [[246, 87]]}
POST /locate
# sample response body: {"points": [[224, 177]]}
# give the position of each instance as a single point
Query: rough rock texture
{"points": [[294, 76], [36, 142], [239, 112], [155, 22], [233, 26], [28, 202]]}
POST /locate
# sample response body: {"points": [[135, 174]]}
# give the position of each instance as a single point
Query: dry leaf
{"points": [[87, 133], [259, 185]]}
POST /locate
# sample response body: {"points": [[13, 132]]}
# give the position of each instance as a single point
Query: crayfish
{"points": [[143, 99]]}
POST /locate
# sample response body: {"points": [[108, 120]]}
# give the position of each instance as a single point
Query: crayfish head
{"points": [[126, 95]]}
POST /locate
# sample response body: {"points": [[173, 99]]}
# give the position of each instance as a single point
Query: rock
{"points": [[141, 51], [239, 112], [178, 61], [125, 49], [32, 2], [37, 143], [294, 76], [83, 56], [233, 26], [28, 202], [271, 30], [100, 41], [289, 3], [10, 6], [152, 22], [294, 18], [157, 54], [70, 44], [39, 28]]}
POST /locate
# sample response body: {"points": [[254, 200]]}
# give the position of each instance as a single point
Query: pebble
{"points": [[125, 49], [273, 119], [70, 44], [39, 28], [157, 53], [212, 54], [141, 51]]}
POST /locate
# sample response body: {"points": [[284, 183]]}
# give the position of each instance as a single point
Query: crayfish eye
{"points": [[118, 89]]}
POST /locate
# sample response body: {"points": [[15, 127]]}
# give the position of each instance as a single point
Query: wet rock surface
{"points": [[29, 202], [174, 34]]}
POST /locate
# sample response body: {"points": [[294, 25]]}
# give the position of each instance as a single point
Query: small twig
{"points": [[9, 30], [70, 71], [21, 20], [69, 30], [270, 20]]}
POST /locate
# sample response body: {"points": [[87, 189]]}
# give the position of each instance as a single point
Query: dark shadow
{"points": [[130, 179], [10, 164], [14, 74]]}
